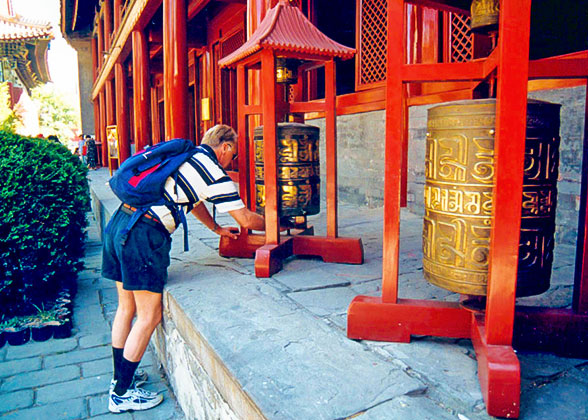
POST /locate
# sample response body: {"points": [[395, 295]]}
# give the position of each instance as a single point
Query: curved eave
{"points": [[285, 28]]}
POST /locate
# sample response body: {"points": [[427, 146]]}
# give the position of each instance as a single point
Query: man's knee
{"points": [[152, 317]]}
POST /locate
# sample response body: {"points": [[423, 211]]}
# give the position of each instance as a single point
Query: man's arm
{"points": [[201, 213], [248, 219]]}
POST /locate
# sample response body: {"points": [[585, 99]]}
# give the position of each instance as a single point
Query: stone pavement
{"points": [[278, 346], [69, 378]]}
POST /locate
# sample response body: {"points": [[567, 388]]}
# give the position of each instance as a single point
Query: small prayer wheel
{"points": [[485, 14], [458, 196], [298, 170], [286, 70]]}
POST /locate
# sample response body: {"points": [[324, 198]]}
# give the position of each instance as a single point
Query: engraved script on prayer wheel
{"points": [[459, 171], [298, 170]]}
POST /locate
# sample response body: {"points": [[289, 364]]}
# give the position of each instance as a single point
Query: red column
{"points": [[331, 146], [394, 131], [102, 127], [100, 41], [268, 92], [107, 24], [175, 69], [509, 144], [116, 13], [110, 106], [122, 112], [141, 90], [96, 101]]}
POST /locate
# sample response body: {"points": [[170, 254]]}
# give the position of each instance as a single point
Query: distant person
{"points": [[91, 153], [81, 149]]}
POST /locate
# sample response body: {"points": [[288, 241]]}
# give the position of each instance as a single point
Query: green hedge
{"points": [[44, 198]]}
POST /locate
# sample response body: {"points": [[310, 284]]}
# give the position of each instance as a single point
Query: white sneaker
{"points": [[139, 378], [135, 399]]}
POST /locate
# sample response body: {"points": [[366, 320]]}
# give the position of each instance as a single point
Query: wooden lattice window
{"points": [[232, 43], [372, 43], [461, 43]]}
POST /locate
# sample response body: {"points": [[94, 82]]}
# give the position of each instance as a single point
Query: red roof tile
{"points": [[286, 28], [14, 28]]}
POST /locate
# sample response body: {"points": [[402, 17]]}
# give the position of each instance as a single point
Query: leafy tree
{"points": [[9, 120], [56, 114]]}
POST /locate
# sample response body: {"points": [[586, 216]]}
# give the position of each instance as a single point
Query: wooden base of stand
{"points": [[498, 367], [269, 257]]}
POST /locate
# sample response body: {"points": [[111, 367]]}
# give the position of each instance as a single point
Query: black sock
{"points": [[117, 355], [126, 376]]}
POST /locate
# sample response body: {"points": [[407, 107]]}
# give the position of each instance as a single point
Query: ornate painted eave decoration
{"points": [[286, 28], [18, 29], [25, 43]]}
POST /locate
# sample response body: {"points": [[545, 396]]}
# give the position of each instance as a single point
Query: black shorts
{"points": [[141, 263]]}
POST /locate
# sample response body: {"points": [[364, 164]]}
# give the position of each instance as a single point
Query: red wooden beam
{"points": [[459, 6], [443, 72], [558, 69], [371, 318], [299, 107]]}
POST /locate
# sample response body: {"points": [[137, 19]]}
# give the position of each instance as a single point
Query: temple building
{"points": [[23, 52], [154, 70]]}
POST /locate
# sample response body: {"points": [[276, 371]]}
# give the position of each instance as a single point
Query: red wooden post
{"points": [[102, 127], [100, 41], [155, 121], [141, 89], [122, 112], [96, 101], [110, 105], [511, 112], [175, 69], [243, 137], [116, 13], [331, 146], [268, 95], [394, 134], [107, 24]]}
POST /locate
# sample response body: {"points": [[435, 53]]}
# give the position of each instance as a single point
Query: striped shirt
{"points": [[200, 178]]}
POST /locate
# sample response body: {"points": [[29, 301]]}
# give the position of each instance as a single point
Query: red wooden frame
{"points": [[388, 318], [272, 249]]}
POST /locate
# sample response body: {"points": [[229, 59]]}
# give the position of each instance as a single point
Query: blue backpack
{"points": [[140, 180]]}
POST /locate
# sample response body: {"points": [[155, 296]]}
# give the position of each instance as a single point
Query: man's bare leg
{"points": [[148, 308]]}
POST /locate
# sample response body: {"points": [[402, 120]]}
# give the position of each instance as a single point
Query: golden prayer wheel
{"points": [[485, 14], [459, 171], [286, 70], [298, 170]]}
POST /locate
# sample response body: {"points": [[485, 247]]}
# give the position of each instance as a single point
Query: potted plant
{"points": [[41, 324], [62, 328], [16, 332]]}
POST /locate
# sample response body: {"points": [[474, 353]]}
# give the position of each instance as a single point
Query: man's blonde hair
{"points": [[219, 134]]}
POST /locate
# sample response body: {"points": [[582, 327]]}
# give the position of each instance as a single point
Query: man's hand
{"points": [[231, 232]]}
